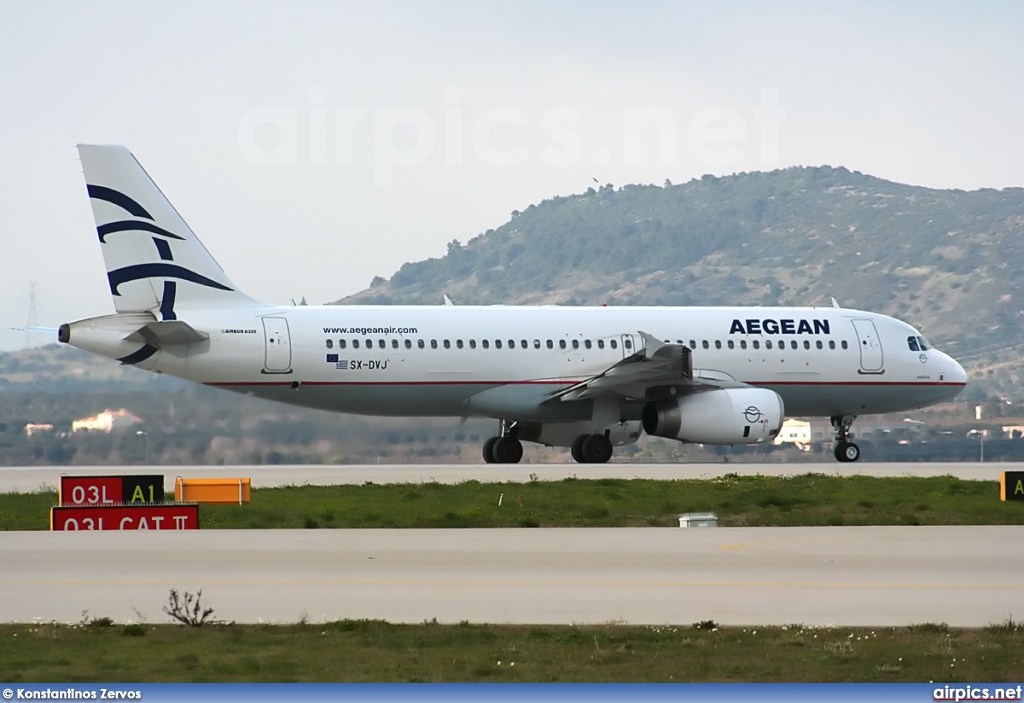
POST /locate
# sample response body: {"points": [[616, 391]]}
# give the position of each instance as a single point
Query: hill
{"points": [[943, 260]]}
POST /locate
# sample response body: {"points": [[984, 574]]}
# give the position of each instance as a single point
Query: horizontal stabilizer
{"points": [[167, 333]]}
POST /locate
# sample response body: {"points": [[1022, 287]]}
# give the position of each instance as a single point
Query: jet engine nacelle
{"points": [[723, 416]]}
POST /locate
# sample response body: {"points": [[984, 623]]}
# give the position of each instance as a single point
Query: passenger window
{"points": [[394, 344], [718, 344], [408, 344], [793, 344], [484, 343], [511, 344], [767, 344], [561, 344], [551, 345], [732, 344], [523, 344], [587, 344], [369, 343], [831, 344], [705, 344], [807, 345], [743, 344], [433, 344], [613, 344], [536, 344], [756, 344], [330, 344], [627, 343], [693, 344], [912, 343], [381, 344], [447, 344], [472, 344], [819, 344], [341, 344], [600, 344], [458, 344], [843, 344], [575, 344], [419, 343], [497, 344], [355, 343]]}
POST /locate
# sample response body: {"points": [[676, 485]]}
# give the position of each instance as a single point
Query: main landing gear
{"points": [[844, 450], [505, 448], [591, 449]]}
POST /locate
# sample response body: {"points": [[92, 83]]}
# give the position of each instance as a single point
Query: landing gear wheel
{"points": [[577, 449], [844, 450], [507, 450], [597, 449], [488, 451], [847, 451]]}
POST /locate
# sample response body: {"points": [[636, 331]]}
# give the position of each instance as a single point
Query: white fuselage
{"points": [[504, 362]]}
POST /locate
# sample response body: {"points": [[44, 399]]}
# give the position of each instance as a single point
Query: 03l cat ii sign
{"points": [[170, 516]]}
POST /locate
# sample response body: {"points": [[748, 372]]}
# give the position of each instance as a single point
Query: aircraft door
{"points": [[629, 345], [870, 346], [278, 343]]}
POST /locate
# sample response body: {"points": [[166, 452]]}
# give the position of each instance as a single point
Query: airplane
{"points": [[586, 378]]}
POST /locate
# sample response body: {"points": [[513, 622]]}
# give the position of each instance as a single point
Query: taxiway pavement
{"points": [[874, 576]]}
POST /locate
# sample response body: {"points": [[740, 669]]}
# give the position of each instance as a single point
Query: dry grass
{"points": [[376, 651]]}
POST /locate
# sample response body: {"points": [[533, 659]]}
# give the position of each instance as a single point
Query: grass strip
{"points": [[368, 651], [808, 499]]}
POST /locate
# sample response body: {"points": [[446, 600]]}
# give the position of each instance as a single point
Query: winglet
{"points": [[651, 344]]}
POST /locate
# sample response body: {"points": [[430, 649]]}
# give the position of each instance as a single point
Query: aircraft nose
{"points": [[959, 374], [955, 374]]}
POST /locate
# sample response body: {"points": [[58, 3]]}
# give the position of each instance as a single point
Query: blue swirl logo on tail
{"points": [[117, 198], [137, 272], [160, 269]]}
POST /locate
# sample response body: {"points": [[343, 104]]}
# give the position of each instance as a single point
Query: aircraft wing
{"points": [[655, 364]]}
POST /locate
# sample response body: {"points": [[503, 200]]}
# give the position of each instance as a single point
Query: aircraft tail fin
{"points": [[155, 263]]}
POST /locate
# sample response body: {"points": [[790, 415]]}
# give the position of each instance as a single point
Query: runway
{"points": [[873, 576], [23, 479]]}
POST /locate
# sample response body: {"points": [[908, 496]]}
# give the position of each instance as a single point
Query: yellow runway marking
{"points": [[741, 545]]}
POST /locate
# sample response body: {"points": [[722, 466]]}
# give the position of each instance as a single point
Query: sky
{"points": [[315, 145]]}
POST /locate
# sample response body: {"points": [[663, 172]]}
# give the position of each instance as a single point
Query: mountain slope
{"points": [[944, 260]]}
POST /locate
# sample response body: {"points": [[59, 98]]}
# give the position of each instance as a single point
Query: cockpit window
{"points": [[912, 343], [925, 346]]}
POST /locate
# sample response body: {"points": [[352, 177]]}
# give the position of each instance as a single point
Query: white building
{"points": [[106, 421]]}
